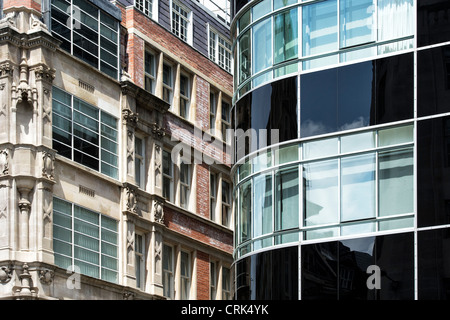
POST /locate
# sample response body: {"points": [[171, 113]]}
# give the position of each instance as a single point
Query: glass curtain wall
{"points": [[275, 38]]}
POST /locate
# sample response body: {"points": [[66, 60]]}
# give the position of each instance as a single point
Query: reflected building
{"points": [[352, 172]]}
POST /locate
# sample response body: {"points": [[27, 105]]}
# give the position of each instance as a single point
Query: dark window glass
{"points": [[318, 103], [319, 263], [238, 5], [395, 258], [270, 275], [433, 258], [433, 172], [433, 21], [355, 256], [357, 95], [344, 270], [273, 106], [394, 88], [433, 81], [354, 95]]}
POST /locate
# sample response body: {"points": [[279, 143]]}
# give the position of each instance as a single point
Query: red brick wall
{"points": [[197, 230], [203, 188], [185, 53], [19, 3], [202, 276], [135, 50], [202, 111]]}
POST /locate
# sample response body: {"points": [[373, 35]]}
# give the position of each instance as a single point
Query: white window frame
{"points": [[148, 75], [185, 97], [219, 49], [175, 9], [148, 7], [185, 279], [213, 280], [224, 123], [169, 274], [226, 206], [212, 195], [168, 177], [212, 110], [168, 87], [185, 186], [139, 162], [226, 290], [139, 252]]}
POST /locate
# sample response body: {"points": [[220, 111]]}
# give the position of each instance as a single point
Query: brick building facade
{"points": [[115, 173]]}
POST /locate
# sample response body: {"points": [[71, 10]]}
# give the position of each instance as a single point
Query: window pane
{"points": [[262, 205], [261, 9], [321, 192], [393, 136], [355, 142], [262, 54], [320, 148], [286, 36], [357, 187], [396, 189], [245, 210], [320, 27], [287, 211], [356, 18], [244, 56]]}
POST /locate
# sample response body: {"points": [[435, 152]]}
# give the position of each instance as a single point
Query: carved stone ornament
{"points": [[4, 162], [128, 295], [48, 167], [131, 200], [129, 117], [158, 131], [158, 212], [5, 274], [44, 73], [46, 276]]}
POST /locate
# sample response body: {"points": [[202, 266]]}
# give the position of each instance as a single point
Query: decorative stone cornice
{"points": [[158, 132], [44, 73], [46, 276]]}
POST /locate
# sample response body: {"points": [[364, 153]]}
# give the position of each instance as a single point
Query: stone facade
{"points": [[33, 174]]}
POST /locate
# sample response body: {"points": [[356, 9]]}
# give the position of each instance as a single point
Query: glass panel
{"points": [[321, 192], [397, 135], [321, 233], [319, 271], [286, 154], [358, 187], [395, 20], [358, 142], [433, 91], [431, 27], [433, 162], [396, 182], [320, 148], [433, 257], [356, 93], [287, 201], [86, 255], [286, 36], [277, 4], [261, 9], [109, 236], [245, 196], [244, 57], [262, 205], [86, 242], [318, 110], [358, 228], [319, 27], [398, 223], [356, 19], [86, 215], [62, 233], [262, 53]]}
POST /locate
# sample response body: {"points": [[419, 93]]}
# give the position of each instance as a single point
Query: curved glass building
{"points": [[341, 117]]}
